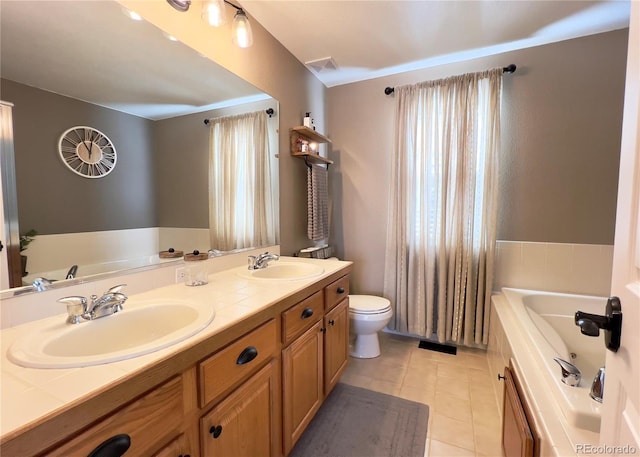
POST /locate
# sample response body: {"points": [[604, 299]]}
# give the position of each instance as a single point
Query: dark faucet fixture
{"points": [[71, 274], [611, 323]]}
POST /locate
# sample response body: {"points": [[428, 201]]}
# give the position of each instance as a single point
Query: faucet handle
{"points": [[115, 289], [251, 262], [76, 307], [73, 300], [571, 374]]}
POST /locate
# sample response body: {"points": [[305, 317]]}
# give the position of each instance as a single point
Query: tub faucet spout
{"points": [[571, 375], [71, 274]]}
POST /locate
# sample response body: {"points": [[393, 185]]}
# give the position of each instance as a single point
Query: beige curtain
{"points": [[442, 211], [242, 207]]}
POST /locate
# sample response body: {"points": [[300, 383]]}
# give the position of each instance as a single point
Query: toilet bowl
{"points": [[368, 315]]}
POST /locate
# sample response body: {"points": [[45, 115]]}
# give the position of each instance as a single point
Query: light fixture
{"points": [[180, 5], [213, 12], [242, 34]]}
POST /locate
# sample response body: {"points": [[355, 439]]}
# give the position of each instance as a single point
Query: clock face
{"points": [[87, 152]]}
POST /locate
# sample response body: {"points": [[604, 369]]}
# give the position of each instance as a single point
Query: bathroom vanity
{"points": [[247, 385]]}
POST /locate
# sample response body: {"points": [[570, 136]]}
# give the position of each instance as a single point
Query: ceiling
{"points": [[139, 71], [369, 39]]}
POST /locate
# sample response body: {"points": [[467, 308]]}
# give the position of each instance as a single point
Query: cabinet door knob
{"points": [[306, 313], [332, 322], [340, 290], [323, 329], [112, 447], [500, 377], [247, 355], [215, 431]]}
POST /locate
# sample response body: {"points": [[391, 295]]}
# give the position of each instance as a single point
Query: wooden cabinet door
{"points": [[336, 344], [517, 439], [244, 423], [302, 383]]}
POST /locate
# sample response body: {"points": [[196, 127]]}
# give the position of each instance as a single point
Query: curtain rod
{"points": [[269, 111], [508, 69]]}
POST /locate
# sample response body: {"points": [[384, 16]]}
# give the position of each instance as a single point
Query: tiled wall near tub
{"points": [[554, 267]]}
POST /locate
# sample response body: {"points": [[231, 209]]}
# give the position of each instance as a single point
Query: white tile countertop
{"points": [[29, 395]]}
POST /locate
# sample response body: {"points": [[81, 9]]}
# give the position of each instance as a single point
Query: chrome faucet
{"points": [[261, 261], [71, 274], [78, 307], [571, 375], [40, 284]]}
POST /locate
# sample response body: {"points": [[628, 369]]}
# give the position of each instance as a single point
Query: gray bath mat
{"points": [[356, 422]]}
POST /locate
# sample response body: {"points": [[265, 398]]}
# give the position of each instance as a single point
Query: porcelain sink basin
{"points": [[288, 271], [137, 330]]}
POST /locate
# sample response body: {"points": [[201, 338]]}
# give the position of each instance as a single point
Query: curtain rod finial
{"points": [[388, 90]]}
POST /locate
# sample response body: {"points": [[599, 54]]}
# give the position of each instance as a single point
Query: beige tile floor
{"points": [[463, 411]]}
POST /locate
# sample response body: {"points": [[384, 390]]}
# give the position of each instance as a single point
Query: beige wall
{"points": [[271, 68], [562, 117]]}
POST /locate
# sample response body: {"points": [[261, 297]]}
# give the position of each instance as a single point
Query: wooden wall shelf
{"points": [[310, 136]]}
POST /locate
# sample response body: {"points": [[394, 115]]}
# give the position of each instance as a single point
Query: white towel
{"points": [[317, 203]]}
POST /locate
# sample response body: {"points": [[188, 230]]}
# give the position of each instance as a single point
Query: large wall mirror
{"points": [[68, 64]]}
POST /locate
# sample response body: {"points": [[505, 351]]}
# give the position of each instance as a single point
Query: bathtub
{"points": [[547, 323]]}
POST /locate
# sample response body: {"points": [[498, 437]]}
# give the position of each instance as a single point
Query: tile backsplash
{"points": [[555, 267]]}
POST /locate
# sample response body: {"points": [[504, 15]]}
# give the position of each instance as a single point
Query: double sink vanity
{"points": [[236, 367]]}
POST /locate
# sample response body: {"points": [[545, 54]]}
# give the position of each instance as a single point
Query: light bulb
{"points": [[213, 12], [242, 35]]}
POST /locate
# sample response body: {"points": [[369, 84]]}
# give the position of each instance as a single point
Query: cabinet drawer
{"points": [[335, 292], [237, 361], [302, 316], [146, 421]]}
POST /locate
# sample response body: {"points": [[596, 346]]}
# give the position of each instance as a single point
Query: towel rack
{"points": [[309, 160]]}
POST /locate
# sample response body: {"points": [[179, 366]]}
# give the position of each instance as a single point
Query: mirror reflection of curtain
{"points": [[242, 204], [442, 212]]}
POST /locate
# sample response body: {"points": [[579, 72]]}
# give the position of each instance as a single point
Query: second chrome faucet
{"points": [[261, 261], [79, 309]]}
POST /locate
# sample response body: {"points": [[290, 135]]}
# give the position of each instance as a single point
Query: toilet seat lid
{"points": [[368, 304]]}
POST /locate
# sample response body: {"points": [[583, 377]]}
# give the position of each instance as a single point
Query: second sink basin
{"points": [[129, 333], [284, 271]]}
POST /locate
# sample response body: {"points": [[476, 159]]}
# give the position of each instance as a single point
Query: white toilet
{"points": [[368, 315]]}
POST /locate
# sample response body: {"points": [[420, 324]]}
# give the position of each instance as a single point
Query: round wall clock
{"points": [[87, 152]]}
